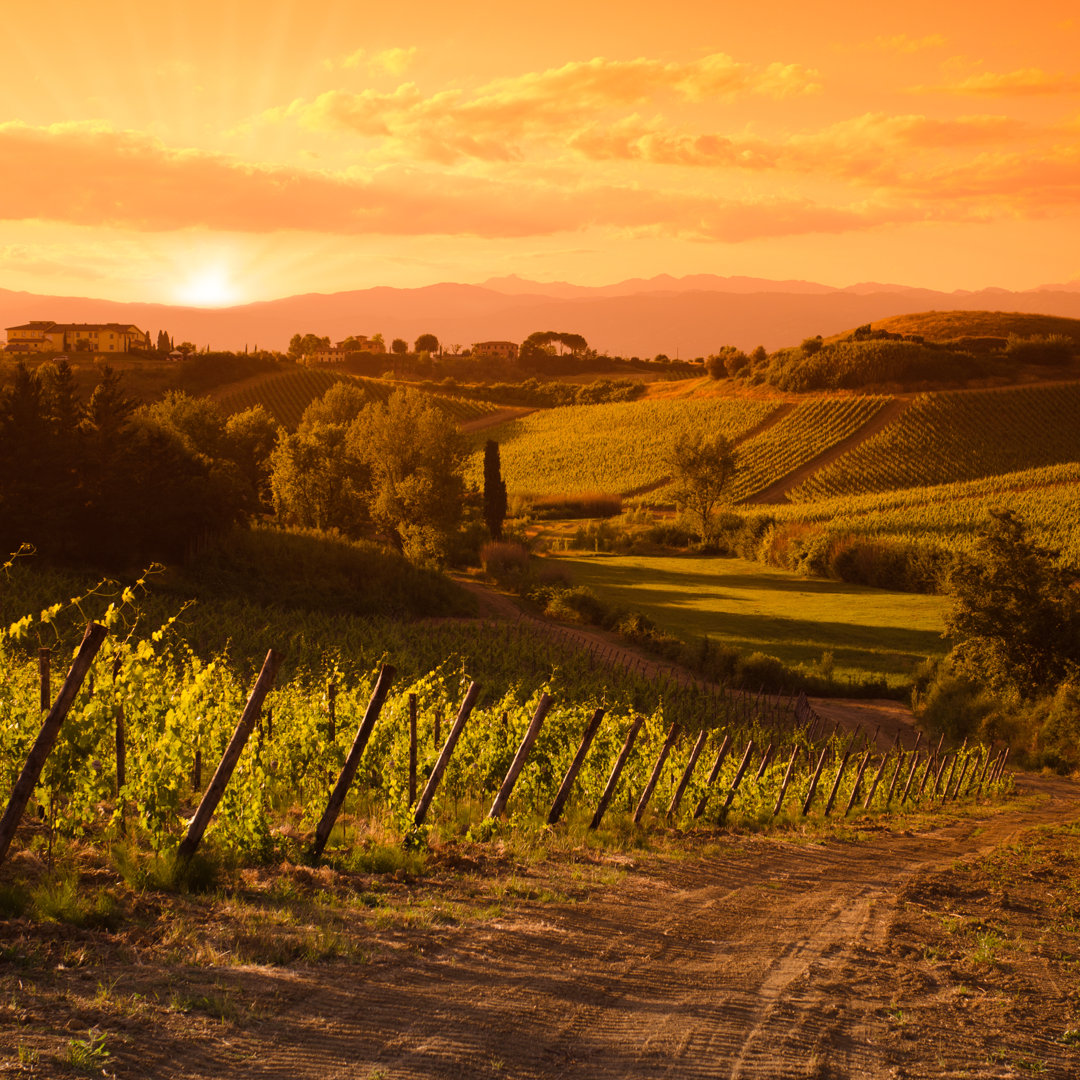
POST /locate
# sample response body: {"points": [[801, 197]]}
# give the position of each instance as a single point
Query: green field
{"points": [[870, 632], [619, 447]]}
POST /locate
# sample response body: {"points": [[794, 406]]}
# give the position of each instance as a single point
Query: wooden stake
{"points": [[331, 708], [225, 768], [412, 749], [895, 777], [522, 755], [765, 761], [673, 733], [738, 777], [836, 783], [616, 771], [814, 781], [695, 753], [911, 776], [46, 739], [591, 729], [44, 659], [858, 778], [713, 774], [432, 784], [352, 762], [787, 779]]}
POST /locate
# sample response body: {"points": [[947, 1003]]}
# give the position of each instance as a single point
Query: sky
{"points": [[226, 151]]}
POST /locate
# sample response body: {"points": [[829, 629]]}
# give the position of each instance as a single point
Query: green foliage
{"points": [[89, 1055], [945, 437], [495, 502], [617, 447], [704, 468], [1050, 350], [1015, 623]]}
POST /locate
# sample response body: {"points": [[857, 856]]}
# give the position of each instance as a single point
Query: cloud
{"points": [[88, 175], [495, 121], [395, 61], [1025, 82]]}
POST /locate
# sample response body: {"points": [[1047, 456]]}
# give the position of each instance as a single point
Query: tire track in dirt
{"points": [[759, 960]]}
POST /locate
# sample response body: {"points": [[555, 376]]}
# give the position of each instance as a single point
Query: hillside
{"points": [[950, 325]]}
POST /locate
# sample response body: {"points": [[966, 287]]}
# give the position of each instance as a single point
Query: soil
{"points": [[861, 954]]}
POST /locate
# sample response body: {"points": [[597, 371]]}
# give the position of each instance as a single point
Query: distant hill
{"points": [[680, 317], [949, 325]]}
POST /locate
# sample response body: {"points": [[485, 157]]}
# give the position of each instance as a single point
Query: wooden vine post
{"points": [[738, 777], [616, 771], [673, 733], [713, 774], [839, 774], [223, 774], [436, 776], [858, 778], [786, 780], [44, 662], [814, 781], [46, 739], [352, 762], [680, 791], [567, 785], [412, 749], [498, 807]]}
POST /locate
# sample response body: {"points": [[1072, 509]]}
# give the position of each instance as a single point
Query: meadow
{"points": [[868, 633]]}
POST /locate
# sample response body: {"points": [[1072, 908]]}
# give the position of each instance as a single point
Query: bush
{"points": [[505, 562], [579, 604], [587, 504], [1051, 350]]}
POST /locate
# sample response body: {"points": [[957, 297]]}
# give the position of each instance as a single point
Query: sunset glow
{"points": [[347, 146]]}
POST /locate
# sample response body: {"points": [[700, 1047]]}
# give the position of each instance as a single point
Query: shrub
{"points": [[1051, 350], [578, 604], [505, 562]]}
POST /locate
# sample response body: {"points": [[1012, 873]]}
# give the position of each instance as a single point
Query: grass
{"points": [[870, 632]]}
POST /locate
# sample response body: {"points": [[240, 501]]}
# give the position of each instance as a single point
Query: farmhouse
{"points": [[495, 350], [45, 336]]}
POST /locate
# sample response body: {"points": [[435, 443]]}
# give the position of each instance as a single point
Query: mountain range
{"points": [[680, 317]]}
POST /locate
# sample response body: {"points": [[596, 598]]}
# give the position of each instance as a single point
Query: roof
{"points": [[47, 324]]}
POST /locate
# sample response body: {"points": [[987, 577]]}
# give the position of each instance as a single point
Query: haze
{"points": [[210, 154]]}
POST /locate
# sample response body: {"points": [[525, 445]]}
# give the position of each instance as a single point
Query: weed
{"points": [[897, 1016], [987, 947], [88, 1055], [1071, 1037], [28, 1057]]}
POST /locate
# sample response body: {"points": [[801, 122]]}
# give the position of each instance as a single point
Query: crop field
{"points": [[869, 632], [948, 437], [287, 394], [811, 428], [621, 447], [952, 515]]}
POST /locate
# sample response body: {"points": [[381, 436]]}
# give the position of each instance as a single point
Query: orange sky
{"points": [[213, 151]]}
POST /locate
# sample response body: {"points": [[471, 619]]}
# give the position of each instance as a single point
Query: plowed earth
{"points": [[722, 956]]}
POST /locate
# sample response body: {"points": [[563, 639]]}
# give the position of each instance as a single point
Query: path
{"points": [[503, 416], [764, 959], [777, 491]]}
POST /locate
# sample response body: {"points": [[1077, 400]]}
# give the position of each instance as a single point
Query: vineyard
{"points": [[811, 428], [948, 437], [148, 721], [621, 447], [287, 394]]}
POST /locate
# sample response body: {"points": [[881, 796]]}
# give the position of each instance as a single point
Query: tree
{"points": [[341, 405], [316, 481], [303, 344], [1015, 621], [494, 490], [704, 468], [428, 343], [399, 346], [415, 456]]}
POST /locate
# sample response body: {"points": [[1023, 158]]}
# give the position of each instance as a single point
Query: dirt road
{"points": [[746, 957]]}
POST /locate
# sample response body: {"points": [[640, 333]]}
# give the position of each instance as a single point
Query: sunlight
{"points": [[209, 287]]}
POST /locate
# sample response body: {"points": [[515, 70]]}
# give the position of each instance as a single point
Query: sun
{"points": [[208, 287]]}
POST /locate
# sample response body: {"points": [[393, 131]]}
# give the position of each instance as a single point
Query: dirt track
{"points": [[748, 957]]}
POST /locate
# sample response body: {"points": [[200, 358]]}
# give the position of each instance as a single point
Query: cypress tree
{"points": [[494, 490]]}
